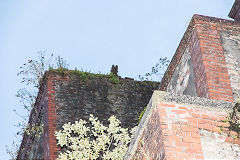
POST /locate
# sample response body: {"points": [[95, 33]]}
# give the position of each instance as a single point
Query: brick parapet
{"points": [[178, 126]]}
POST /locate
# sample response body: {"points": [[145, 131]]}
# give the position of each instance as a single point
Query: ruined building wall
{"points": [[206, 62], [77, 98], [180, 124], [70, 96], [183, 81], [183, 127]]}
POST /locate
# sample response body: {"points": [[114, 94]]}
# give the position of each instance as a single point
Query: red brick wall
{"points": [[151, 144], [213, 61], [198, 65], [209, 64], [181, 136], [51, 148], [175, 130]]}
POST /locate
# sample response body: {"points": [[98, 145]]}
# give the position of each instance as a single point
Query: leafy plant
{"points": [[32, 73], [157, 71], [94, 142], [141, 114], [113, 78]]}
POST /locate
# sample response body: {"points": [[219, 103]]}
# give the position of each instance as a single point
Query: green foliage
{"points": [[82, 74], [13, 151], [93, 141], [86, 75], [141, 114], [34, 129], [32, 73], [234, 120], [158, 71], [113, 78]]}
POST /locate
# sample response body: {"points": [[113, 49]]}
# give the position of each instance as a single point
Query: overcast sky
{"points": [[90, 34]]}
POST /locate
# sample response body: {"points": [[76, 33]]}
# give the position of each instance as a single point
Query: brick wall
{"points": [[235, 11], [183, 80], [69, 97], [213, 47], [51, 149], [213, 57], [76, 98], [183, 127], [32, 146], [206, 64]]}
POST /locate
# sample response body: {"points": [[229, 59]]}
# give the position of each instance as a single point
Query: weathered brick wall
{"points": [[206, 64], [70, 97], [184, 127], [183, 81], [151, 142], [51, 149], [77, 98], [32, 146], [211, 47], [231, 46], [235, 11]]}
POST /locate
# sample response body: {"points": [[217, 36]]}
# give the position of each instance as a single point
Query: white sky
{"points": [[90, 34]]}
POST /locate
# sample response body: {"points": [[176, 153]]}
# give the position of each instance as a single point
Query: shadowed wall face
{"points": [[77, 99], [69, 98], [183, 81]]}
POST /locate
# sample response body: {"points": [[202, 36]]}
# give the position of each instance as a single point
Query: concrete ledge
{"points": [[197, 102]]}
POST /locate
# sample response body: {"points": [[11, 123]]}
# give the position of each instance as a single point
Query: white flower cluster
{"points": [[96, 141]]}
